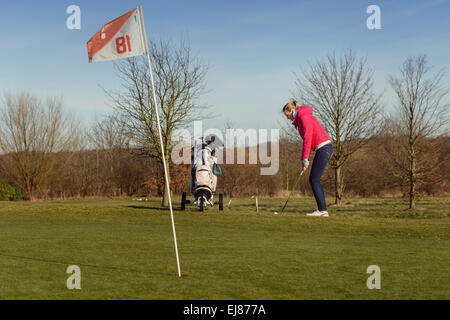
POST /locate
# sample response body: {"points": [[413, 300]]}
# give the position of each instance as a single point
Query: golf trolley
{"points": [[204, 172]]}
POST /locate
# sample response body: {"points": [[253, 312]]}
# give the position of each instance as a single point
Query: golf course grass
{"points": [[125, 250]]}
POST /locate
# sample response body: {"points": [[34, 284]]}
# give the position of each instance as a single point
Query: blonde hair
{"points": [[288, 107]]}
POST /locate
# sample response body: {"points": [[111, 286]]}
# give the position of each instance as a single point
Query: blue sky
{"points": [[252, 48]]}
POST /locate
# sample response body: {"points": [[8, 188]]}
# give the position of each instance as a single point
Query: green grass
{"points": [[125, 250]]}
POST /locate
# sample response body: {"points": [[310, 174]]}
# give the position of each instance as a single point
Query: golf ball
{"points": [[275, 212]]}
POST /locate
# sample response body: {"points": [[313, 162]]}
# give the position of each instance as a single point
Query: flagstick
{"points": [[164, 165], [162, 151]]}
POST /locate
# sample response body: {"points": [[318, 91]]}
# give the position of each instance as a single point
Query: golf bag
{"points": [[204, 171]]}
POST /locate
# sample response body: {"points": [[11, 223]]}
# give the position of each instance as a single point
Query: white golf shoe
{"points": [[318, 213]]}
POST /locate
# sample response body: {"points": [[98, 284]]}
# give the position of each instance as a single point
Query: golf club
{"points": [[295, 186]]}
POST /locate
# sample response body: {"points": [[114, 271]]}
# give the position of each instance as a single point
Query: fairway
{"points": [[125, 250]]}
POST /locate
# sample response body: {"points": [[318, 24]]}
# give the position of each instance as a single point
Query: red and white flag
{"points": [[123, 37]]}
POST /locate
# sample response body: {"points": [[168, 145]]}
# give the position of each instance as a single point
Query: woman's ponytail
{"points": [[288, 107]]}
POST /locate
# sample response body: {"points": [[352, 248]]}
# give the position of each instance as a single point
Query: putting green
{"points": [[125, 250]]}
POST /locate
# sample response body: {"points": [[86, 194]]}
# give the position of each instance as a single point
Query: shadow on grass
{"points": [[80, 264], [153, 208]]}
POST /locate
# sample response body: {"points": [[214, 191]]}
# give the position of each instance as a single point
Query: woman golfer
{"points": [[314, 138]]}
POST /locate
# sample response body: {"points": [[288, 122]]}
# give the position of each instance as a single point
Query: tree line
{"points": [[118, 172], [47, 154]]}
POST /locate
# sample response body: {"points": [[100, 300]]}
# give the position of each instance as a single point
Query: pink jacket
{"points": [[310, 130]]}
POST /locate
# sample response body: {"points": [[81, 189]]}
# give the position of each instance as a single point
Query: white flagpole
{"points": [[160, 139]]}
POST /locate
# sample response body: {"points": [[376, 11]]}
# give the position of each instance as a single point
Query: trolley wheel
{"points": [[183, 201], [220, 201], [202, 203]]}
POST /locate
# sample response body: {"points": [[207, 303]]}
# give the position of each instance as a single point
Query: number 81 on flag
{"points": [[121, 46]]}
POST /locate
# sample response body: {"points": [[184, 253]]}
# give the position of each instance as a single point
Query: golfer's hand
{"points": [[305, 164]]}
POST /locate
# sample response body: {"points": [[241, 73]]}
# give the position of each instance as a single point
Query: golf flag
{"points": [[123, 37]]}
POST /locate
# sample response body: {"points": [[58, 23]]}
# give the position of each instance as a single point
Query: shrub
{"points": [[9, 192], [17, 195]]}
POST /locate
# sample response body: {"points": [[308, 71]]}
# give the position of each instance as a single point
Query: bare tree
{"points": [[110, 140], [179, 82], [31, 132], [420, 114], [341, 91]]}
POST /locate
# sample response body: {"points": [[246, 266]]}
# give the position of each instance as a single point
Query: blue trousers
{"points": [[323, 155]]}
